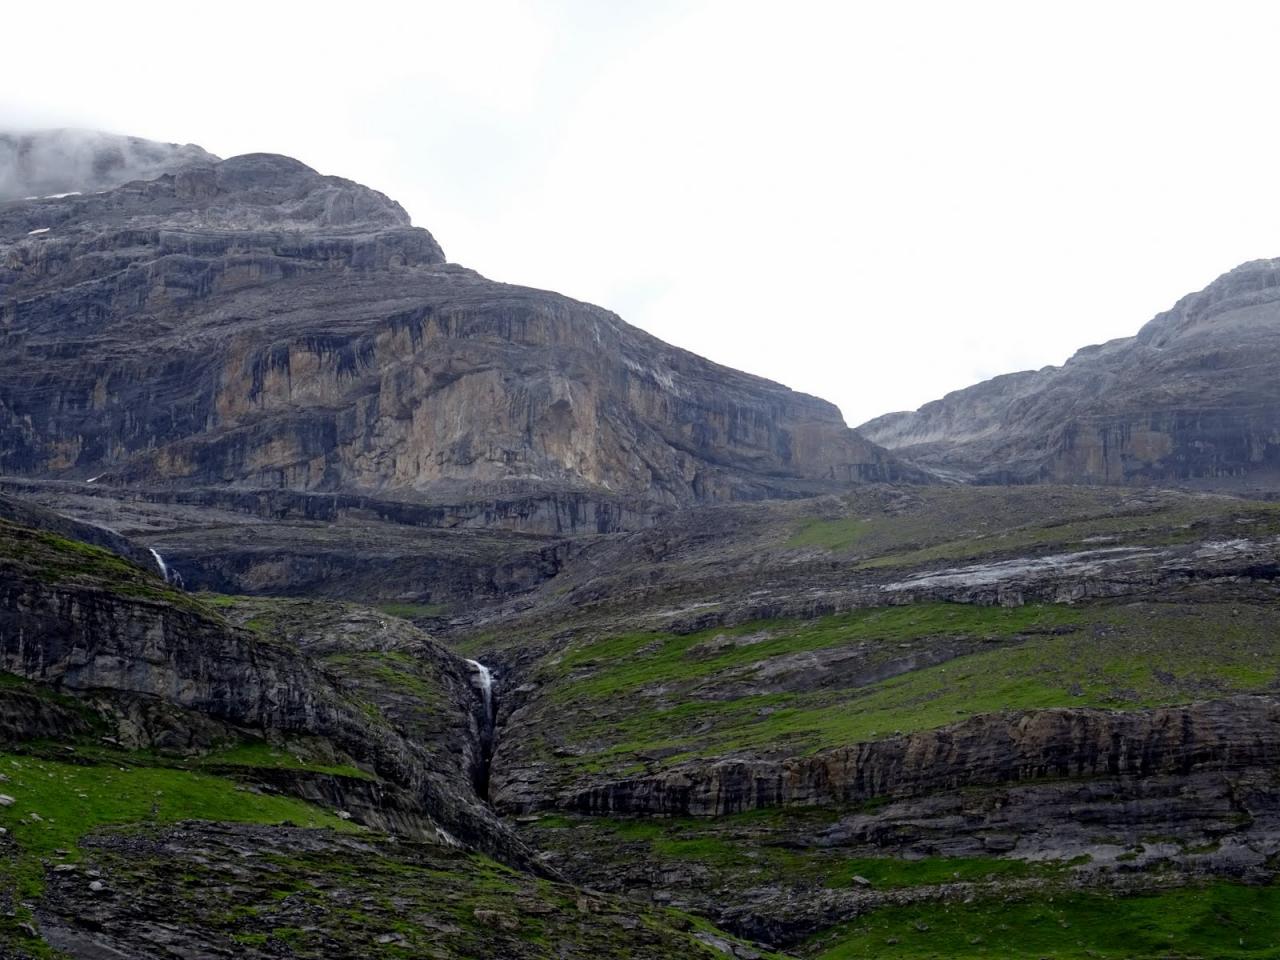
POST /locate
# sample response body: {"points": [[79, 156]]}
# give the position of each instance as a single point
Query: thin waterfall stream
{"points": [[484, 681], [170, 575]]}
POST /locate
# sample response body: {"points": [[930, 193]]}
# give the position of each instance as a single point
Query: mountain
{"points": [[250, 322], [355, 606], [1192, 399]]}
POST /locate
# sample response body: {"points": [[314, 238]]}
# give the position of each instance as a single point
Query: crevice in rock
{"points": [[482, 682]]}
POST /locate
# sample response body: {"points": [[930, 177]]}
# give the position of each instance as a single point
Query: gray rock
{"points": [[1189, 399], [382, 368]]}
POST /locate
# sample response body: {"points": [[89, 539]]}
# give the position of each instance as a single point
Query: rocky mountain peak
{"points": [[253, 322], [1241, 291], [1190, 399], [270, 191], [251, 193]]}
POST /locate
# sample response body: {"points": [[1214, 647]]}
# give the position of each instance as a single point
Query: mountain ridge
{"points": [[355, 605], [299, 333], [1187, 399]]}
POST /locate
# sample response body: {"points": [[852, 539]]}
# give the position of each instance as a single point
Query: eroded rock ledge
{"points": [[992, 749]]}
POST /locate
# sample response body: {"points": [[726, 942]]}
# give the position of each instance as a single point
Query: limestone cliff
{"points": [[252, 322], [1192, 398]]}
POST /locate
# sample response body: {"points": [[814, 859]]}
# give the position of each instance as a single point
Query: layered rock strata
{"points": [[1190, 399], [251, 322], [983, 751]]}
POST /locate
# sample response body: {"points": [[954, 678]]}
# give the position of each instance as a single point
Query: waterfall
{"points": [[488, 727], [164, 567], [486, 688], [170, 575]]}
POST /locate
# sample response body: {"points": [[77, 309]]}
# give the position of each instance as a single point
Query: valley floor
{"points": [[882, 725]]}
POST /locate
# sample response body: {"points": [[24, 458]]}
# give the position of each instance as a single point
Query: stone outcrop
{"points": [[1190, 399], [983, 751], [297, 544], [29, 715], [1115, 834], [28, 514], [85, 623], [259, 892], [251, 322]]}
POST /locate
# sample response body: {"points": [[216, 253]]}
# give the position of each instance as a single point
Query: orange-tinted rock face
{"points": [[252, 322]]}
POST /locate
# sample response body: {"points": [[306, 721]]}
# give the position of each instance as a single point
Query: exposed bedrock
{"points": [[1225, 570], [985, 750], [505, 507], [26, 716], [433, 571], [290, 543], [1189, 400], [86, 640], [1124, 834], [29, 514], [251, 322]]}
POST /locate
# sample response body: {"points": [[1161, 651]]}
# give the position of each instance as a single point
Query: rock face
{"points": [[252, 322], [85, 622], [259, 885], [27, 514], [1191, 399], [918, 693], [289, 543], [994, 749]]}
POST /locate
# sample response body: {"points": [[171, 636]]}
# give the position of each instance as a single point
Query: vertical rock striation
{"points": [[250, 322]]}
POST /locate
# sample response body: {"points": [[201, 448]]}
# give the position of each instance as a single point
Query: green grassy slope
{"points": [[616, 703], [1217, 921]]}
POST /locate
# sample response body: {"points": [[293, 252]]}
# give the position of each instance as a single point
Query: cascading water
{"points": [[164, 567], [484, 680], [170, 575], [486, 686]]}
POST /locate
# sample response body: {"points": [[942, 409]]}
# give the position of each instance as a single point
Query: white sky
{"points": [[874, 202]]}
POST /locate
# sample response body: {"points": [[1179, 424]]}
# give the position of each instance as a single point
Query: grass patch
{"points": [[834, 535], [660, 699], [259, 753], [1221, 920], [625, 664], [957, 524], [390, 669], [219, 600], [884, 872], [56, 560], [72, 800], [1180, 521]]}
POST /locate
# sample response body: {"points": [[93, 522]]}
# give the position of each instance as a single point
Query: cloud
{"points": [[45, 162]]}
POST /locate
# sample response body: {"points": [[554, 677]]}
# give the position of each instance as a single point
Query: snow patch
{"points": [[1079, 564]]}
